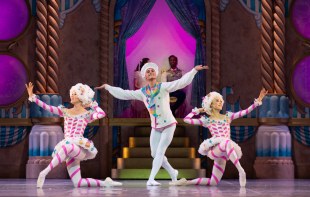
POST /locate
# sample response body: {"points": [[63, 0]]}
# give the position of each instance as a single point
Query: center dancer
{"points": [[156, 98]]}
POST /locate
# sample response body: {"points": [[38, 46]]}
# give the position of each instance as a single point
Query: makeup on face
{"points": [[150, 73]]}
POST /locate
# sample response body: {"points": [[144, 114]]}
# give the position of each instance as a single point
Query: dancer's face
{"points": [[150, 74], [173, 61], [74, 98], [217, 103]]}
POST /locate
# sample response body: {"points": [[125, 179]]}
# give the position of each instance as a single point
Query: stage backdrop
{"points": [[160, 36]]}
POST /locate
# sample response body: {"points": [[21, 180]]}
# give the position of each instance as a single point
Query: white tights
{"points": [[159, 142]]}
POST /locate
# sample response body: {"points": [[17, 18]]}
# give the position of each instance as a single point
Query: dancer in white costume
{"points": [[74, 148], [156, 98], [219, 147]]}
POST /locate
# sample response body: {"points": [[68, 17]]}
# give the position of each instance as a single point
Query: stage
{"points": [[134, 188]]}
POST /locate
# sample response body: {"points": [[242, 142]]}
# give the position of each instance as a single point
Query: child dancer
{"points": [[219, 147], [74, 148], [156, 98]]}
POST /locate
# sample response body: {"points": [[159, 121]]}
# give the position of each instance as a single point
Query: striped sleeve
{"points": [[241, 113], [55, 110], [190, 120], [97, 113]]}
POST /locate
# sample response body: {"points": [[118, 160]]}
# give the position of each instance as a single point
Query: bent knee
{"points": [[220, 161], [229, 145], [153, 154]]}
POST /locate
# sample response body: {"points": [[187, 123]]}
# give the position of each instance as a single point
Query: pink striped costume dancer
{"points": [[219, 147], [74, 148]]}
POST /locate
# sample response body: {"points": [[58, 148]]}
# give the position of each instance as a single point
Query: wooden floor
{"points": [[134, 188]]}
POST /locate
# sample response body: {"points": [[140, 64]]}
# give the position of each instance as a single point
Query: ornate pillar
{"points": [[53, 39], [215, 46], [105, 147], [273, 139], [267, 45], [279, 47], [46, 132], [41, 46]]}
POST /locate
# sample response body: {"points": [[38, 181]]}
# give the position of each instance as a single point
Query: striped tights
{"points": [[72, 154], [221, 153]]}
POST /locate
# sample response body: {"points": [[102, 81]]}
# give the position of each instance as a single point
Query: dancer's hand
{"points": [[91, 104], [29, 88], [201, 110], [262, 94], [201, 67], [101, 87]]}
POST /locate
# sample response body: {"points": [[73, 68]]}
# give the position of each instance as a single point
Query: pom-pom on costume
{"points": [[219, 147]]}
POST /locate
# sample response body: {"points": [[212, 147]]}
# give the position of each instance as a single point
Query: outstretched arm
{"points": [[189, 120], [97, 114], [257, 103], [33, 98], [122, 94], [184, 81], [241, 113]]}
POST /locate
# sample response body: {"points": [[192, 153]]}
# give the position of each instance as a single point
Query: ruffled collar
{"points": [[222, 121], [78, 116]]}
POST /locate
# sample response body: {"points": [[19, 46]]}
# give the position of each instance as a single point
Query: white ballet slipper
{"points": [[242, 179], [41, 179], [108, 182], [152, 183], [180, 182]]}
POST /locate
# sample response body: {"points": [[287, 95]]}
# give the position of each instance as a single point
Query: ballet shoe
{"points": [[152, 183], [41, 179], [180, 182], [108, 182], [242, 179]]}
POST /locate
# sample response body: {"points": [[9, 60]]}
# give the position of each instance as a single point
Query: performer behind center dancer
{"points": [[219, 147], [156, 98], [74, 148]]}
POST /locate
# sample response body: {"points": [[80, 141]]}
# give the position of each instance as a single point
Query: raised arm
{"points": [[97, 112], [241, 113], [124, 94], [257, 102], [33, 98], [184, 81], [52, 109], [189, 120]]}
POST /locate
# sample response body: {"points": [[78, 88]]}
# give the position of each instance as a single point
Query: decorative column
{"points": [[105, 147], [41, 47], [215, 46], [273, 140], [46, 132], [53, 39], [267, 45], [279, 47]]}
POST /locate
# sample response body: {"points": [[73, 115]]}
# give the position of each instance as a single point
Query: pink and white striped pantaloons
{"points": [[221, 153], [72, 154]]}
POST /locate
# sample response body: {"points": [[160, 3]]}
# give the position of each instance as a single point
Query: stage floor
{"points": [[134, 188]]}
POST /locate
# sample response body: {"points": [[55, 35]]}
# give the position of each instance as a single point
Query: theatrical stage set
{"points": [[154, 97]]}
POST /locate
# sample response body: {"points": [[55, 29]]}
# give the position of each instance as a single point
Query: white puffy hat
{"points": [[84, 93], [147, 66], [207, 101]]}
